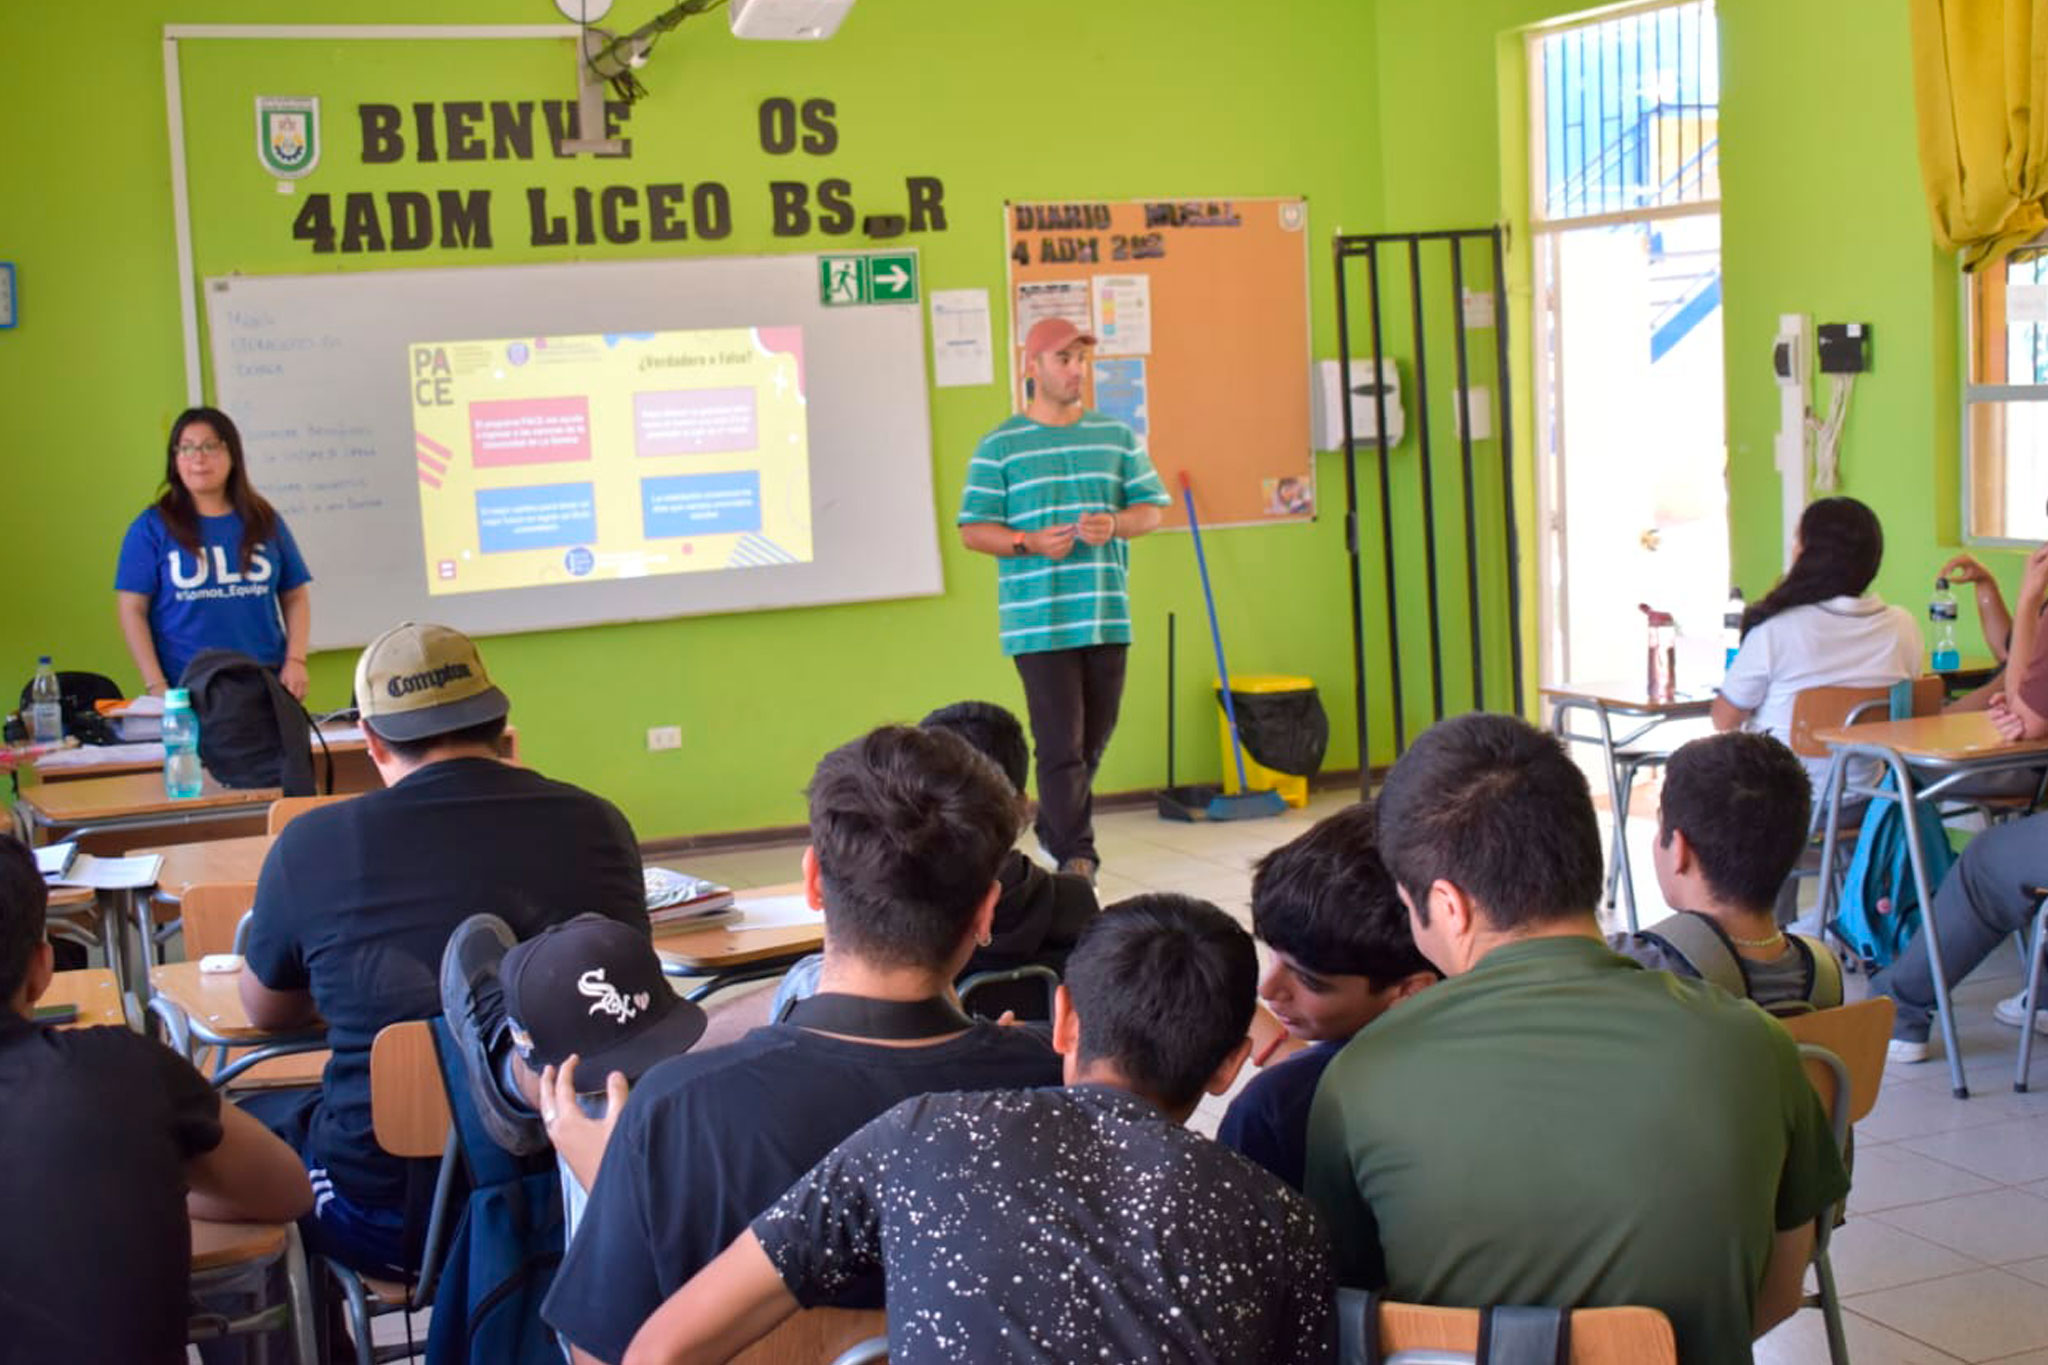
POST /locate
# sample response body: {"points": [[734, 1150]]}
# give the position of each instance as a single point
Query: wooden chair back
{"points": [[814, 1336], [1600, 1336], [210, 911], [286, 809], [1828, 708], [1857, 1034], [408, 1107]]}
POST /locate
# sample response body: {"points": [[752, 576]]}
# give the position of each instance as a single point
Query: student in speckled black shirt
{"points": [[1055, 1225]]}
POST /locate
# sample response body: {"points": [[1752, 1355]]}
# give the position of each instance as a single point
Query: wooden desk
{"points": [[206, 1008], [1925, 758], [95, 992], [353, 771], [732, 953], [1953, 740], [215, 860], [129, 802], [1606, 702]]}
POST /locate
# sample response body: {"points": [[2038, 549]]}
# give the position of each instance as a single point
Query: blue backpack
{"points": [[1879, 909], [504, 1252]]}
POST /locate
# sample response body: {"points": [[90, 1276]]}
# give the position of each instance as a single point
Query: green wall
{"points": [[1386, 115], [999, 102], [1822, 214]]}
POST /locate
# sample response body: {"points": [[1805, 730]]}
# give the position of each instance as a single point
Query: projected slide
{"points": [[556, 459]]}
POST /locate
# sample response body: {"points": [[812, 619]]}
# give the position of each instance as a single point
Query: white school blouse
{"points": [[1842, 642]]}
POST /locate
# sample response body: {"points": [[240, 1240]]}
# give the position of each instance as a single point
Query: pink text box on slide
{"points": [[694, 421], [517, 431]]}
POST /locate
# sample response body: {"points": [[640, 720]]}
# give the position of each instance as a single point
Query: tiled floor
{"points": [[1945, 1253]]}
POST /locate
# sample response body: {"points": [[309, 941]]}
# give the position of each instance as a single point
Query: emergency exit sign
{"points": [[879, 277]]}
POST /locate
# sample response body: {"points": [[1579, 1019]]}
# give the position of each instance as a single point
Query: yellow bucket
{"points": [[1292, 789]]}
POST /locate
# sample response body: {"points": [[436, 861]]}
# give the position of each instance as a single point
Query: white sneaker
{"points": [[2009, 1012], [1906, 1051]]}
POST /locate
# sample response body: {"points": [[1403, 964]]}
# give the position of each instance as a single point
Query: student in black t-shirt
{"points": [[908, 828], [357, 900], [107, 1138], [1076, 1224], [1342, 955], [1039, 914]]}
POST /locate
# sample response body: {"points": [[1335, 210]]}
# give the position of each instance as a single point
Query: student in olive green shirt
{"points": [[1554, 1125]]}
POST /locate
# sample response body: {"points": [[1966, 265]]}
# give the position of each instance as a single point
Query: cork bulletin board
{"points": [[1201, 308]]}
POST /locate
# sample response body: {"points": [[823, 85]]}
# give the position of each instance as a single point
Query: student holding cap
{"points": [[357, 902], [211, 565], [1053, 493]]}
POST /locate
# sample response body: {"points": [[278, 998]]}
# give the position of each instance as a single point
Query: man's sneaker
{"points": [[1906, 1051], [1081, 867], [2012, 1013], [473, 1003]]}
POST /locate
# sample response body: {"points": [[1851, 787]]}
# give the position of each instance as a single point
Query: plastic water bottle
{"points": [[181, 746], [45, 705], [1731, 626], [1941, 610], [1661, 675]]}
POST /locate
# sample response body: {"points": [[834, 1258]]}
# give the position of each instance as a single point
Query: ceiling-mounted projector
{"points": [[798, 20]]}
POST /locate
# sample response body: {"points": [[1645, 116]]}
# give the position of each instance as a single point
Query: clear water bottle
{"points": [[45, 705], [1731, 626], [1941, 610], [181, 746]]}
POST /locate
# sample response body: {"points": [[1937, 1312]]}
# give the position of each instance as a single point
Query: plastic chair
{"points": [[1844, 1053], [1415, 1334], [409, 1117], [231, 1257]]}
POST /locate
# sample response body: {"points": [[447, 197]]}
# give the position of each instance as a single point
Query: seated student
{"points": [[585, 1011], [1986, 897], [1819, 627], [1342, 956], [1039, 915], [908, 830], [107, 1141], [1553, 1125], [1731, 826], [1076, 1224], [356, 903]]}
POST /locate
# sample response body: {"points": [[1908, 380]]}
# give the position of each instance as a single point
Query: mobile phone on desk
{"points": [[56, 1014]]}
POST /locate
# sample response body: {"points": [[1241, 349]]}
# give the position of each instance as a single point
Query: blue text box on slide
{"points": [[535, 518], [700, 505]]}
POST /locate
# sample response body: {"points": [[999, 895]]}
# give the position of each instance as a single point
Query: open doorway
{"points": [[1631, 448]]}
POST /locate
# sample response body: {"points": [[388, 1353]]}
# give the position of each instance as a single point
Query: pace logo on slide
{"points": [[613, 455]]}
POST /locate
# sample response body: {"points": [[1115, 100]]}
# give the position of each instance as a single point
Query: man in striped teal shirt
{"points": [[1053, 493]]}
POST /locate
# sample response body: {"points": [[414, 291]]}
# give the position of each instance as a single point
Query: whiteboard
{"points": [[314, 369]]}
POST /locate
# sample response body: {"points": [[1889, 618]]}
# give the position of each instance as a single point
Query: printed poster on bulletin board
{"points": [[1200, 310]]}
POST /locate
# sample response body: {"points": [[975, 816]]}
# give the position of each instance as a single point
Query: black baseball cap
{"points": [[593, 987]]}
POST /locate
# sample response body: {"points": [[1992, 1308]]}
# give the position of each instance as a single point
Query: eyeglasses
{"points": [[213, 447]]}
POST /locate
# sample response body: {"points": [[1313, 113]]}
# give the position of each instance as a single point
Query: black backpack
{"points": [[77, 692], [252, 733]]}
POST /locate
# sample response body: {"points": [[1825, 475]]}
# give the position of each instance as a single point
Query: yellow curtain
{"points": [[1981, 84]]}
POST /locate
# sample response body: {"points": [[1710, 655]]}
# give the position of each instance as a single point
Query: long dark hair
{"points": [[175, 505], [1841, 545]]}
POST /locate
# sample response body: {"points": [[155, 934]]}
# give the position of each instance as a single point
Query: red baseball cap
{"points": [[1052, 334]]}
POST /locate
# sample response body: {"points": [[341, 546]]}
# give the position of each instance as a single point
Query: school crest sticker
{"points": [[288, 134]]}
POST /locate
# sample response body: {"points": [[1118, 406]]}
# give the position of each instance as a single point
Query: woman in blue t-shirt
{"points": [[211, 565]]}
